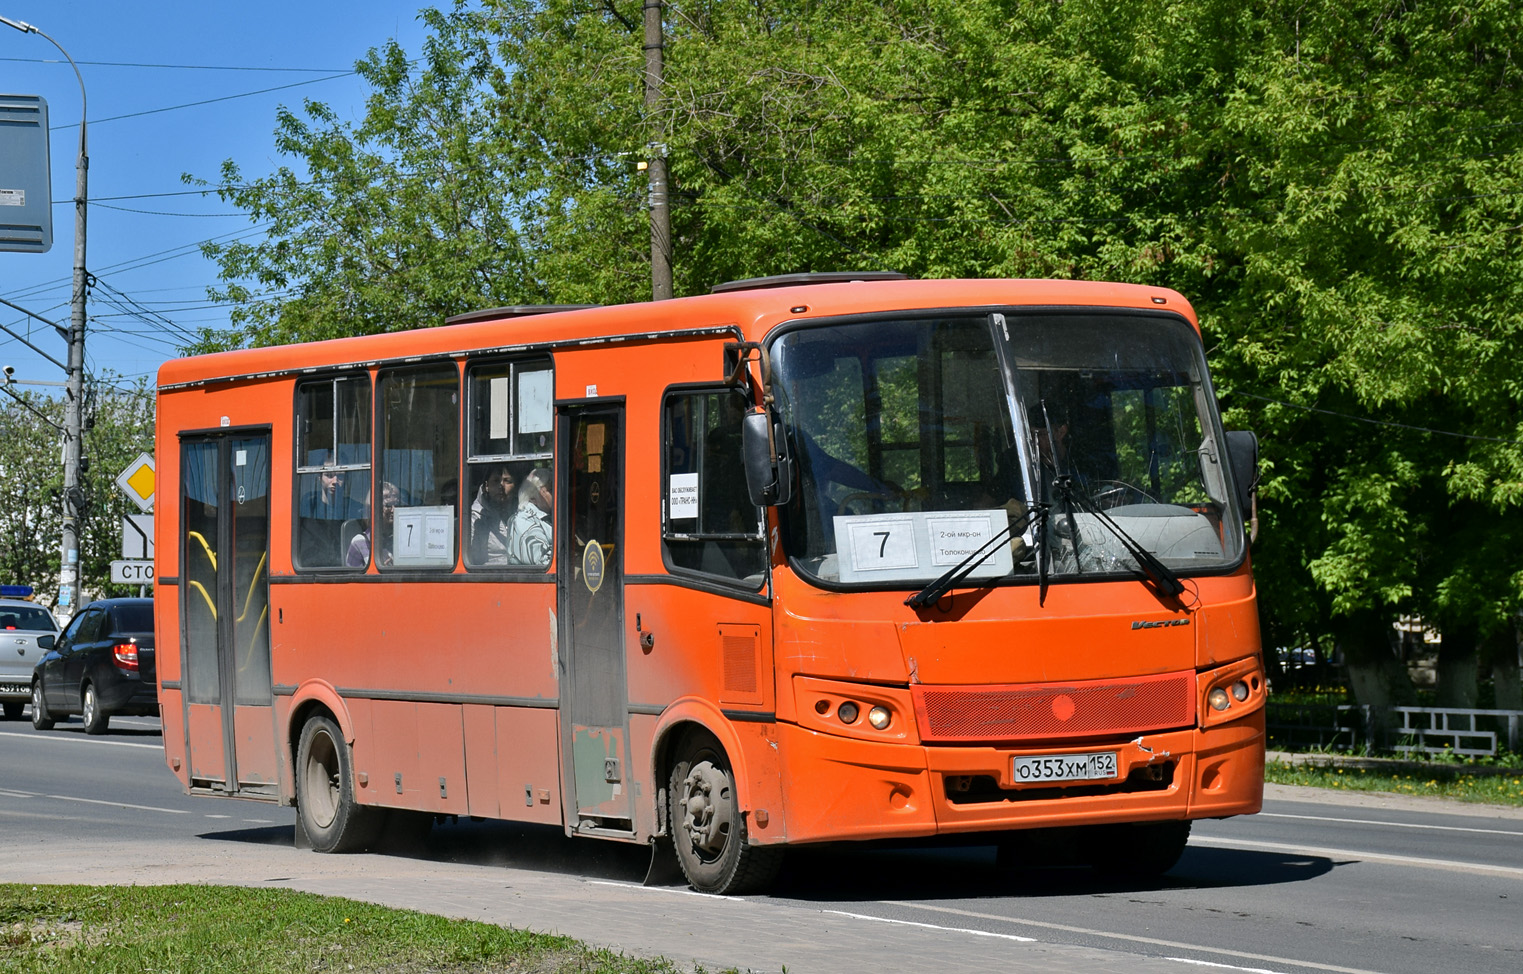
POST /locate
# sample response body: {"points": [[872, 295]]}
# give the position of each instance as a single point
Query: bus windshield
{"points": [[1051, 443]]}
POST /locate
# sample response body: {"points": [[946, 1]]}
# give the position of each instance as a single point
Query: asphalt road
{"points": [[1318, 882]]}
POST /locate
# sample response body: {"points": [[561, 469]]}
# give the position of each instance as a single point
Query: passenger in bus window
{"points": [[492, 515], [359, 548], [529, 543], [324, 506]]}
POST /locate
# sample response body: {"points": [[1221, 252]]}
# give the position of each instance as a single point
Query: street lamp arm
{"points": [[27, 28]]}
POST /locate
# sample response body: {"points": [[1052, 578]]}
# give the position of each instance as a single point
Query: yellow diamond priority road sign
{"points": [[137, 482]]}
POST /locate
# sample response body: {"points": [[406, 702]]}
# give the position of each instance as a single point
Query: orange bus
{"points": [[806, 559]]}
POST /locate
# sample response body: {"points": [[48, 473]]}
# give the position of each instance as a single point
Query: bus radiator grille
{"points": [[1055, 711]]}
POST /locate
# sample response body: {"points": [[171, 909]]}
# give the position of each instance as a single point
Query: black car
{"points": [[101, 665]]}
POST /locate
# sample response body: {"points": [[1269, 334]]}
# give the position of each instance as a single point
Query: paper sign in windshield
{"points": [[919, 546]]}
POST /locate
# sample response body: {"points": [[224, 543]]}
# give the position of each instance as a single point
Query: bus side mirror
{"points": [[769, 475], [1243, 454]]}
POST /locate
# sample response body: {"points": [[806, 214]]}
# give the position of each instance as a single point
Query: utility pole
{"points": [[74, 390], [660, 206]]}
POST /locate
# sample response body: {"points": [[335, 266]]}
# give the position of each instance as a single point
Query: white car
{"points": [[27, 630]]}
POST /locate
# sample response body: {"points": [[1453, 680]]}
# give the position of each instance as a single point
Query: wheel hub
{"points": [[706, 808]]}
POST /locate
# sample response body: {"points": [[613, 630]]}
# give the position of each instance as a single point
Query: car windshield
{"points": [[26, 618], [1032, 441]]}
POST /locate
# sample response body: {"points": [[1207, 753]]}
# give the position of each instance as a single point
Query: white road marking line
{"points": [[1151, 941], [667, 889], [1306, 850], [77, 738], [1065, 928], [1394, 825], [1230, 967], [934, 926], [97, 801]]}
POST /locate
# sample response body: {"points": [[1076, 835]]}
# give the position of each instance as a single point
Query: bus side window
{"points": [[332, 469], [709, 524], [416, 521], [511, 421]]}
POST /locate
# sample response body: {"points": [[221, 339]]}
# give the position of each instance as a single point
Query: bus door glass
{"points": [[589, 568], [225, 553]]}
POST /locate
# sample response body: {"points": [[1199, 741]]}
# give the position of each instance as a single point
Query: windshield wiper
{"points": [[933, 592], [1160, 575]]}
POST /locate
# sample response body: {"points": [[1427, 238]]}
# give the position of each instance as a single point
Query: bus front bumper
{"points": [[837, 788]]}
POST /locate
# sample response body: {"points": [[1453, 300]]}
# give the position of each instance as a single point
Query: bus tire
{"points": [[708, 828], [332, 819], [1142, 850], [41, 719]]}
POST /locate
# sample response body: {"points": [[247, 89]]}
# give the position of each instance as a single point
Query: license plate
{"points": [[1065, 767]]}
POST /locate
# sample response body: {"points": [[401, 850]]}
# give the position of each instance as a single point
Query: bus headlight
{"points": [[879, 717], [1240, 691], [848, 712], [1218, 699]]}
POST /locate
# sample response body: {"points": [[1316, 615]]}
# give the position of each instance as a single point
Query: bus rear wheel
{"points": [[332, 819], [708, 828]]}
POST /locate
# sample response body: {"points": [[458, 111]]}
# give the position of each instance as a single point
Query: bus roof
{"points": [[746, 311]]}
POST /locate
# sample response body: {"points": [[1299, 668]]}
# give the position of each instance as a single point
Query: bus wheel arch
{"points": [[706, 812], [678, 721]]}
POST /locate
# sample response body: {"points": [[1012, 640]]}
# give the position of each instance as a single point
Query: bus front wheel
{"points": [[708, 828], [332, 819]]}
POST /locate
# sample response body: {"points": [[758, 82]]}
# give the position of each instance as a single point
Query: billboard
{"points": [[26, 185]]}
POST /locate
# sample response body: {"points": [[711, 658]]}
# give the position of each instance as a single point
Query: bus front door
{"points": [[224, 599], [590, 602]]}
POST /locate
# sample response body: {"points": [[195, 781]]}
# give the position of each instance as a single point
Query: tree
{"points": [[1332, 184], [119, 426]]}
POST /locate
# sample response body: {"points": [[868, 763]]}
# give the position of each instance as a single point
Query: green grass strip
{"points": [[230, 930], [1435, 782]]}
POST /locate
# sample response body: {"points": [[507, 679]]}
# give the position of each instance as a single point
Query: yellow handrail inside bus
{"points": [[202, 589], [248, 599], [209, 552], [253, 640]]}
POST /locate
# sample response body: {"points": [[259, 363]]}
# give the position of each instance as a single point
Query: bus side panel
{"points": [[481, 790], [393, 764], [704, 645], [642, 739], [528, 764], [166, 607], [285, 750], [441, 757]]}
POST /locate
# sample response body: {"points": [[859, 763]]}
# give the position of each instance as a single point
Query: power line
{"points": [[185, 67], [1378, 422], [207, 101]]}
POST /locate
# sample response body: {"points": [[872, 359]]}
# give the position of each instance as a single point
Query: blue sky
{"points": [[193, 79]]}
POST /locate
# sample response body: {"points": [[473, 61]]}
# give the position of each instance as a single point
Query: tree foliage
{"points": [[119, 426], [1335, 185]]}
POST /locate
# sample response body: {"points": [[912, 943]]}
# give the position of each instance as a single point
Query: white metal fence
{"points": [[1407, 730]]}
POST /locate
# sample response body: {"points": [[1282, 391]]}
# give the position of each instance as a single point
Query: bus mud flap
{"points": [[663, 870]]}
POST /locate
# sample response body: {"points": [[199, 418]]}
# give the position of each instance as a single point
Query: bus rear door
{"points": [[224, 595]]}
